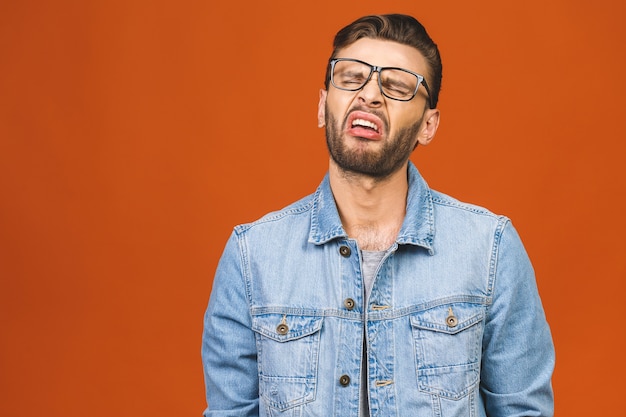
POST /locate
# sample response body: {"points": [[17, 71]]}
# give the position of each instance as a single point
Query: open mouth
{"points": [[365, 124]]}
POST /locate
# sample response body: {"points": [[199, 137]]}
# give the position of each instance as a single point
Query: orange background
{"points": [[134, 135]]}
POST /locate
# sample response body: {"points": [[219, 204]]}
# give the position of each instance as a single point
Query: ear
{"points": [[429, 127], [321, 109]]}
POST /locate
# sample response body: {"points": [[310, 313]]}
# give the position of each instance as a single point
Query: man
{"points": [[376, 295]]}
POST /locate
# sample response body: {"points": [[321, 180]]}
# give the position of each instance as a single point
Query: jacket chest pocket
{"points": [[448, 344], [288, 349]]}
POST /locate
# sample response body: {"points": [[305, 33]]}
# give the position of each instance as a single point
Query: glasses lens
{"points": [[350, 75], [398, 83]]}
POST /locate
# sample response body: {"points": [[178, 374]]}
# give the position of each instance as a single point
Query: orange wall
{"points": [[134, 135]]}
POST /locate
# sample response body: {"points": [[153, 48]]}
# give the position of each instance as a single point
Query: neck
{"points": [[371, 209]]}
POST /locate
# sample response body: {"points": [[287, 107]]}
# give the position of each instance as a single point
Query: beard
{"points": [[378, 164]]}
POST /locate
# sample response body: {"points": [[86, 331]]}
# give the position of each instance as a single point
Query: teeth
{"points": [[364, 123]]}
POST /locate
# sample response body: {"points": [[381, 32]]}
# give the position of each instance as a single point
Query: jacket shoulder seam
{"points": [[303, 206]]}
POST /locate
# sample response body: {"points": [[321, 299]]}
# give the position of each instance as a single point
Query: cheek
{"points": [[406, 118], [338, 104]]}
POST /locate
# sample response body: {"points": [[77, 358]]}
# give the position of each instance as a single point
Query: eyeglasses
{"points": [[395, 83]]}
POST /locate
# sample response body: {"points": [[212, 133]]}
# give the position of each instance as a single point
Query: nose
{"points": [[370, 94]]}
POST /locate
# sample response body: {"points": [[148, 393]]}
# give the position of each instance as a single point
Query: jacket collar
{"points": [[418, 227]]}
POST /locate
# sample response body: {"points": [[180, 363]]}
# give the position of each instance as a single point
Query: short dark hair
{"points": [[399, 28]]}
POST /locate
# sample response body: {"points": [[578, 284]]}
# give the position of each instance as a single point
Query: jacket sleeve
{"points": [[518, 353], [229, 353]]}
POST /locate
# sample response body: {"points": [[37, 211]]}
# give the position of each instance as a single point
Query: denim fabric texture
{"points": [[454, 325]]}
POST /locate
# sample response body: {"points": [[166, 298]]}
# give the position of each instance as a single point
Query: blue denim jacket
{"points": [[454, 325]]}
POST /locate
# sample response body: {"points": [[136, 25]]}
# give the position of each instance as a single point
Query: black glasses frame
{"points": [[374, 68]]}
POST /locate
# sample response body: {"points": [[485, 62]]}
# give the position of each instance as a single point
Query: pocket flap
{"points": [[286, 327], [449, 318]]}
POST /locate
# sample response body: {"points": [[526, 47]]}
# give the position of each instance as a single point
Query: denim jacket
{"points": [[454, 325]]}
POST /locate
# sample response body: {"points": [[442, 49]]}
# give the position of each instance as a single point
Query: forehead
{"points": [[385, 53]]}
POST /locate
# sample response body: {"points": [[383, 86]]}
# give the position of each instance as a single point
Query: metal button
{"points": [[451, 320], [345, 251], [349, 303], [344, 380], [282, 328]]}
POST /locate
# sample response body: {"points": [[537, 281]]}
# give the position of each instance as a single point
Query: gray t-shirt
{"points": [[371, 261]]}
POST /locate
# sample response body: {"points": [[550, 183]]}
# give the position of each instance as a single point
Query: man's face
{"points": [[366, 132]]}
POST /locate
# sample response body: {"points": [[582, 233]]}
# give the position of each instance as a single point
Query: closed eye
{"points": [[351, 78], [396, 87]]}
